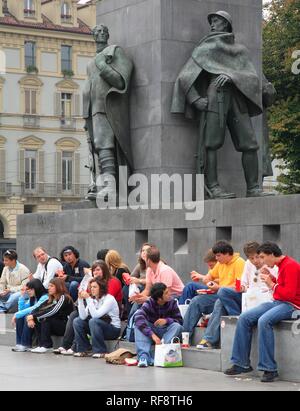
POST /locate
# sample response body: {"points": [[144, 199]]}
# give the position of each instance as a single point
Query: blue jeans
{"points": [[202, 304], [24, 333], [73, 289], [265, 316], [189, 291], [144, 343], [9, 301], [98, 329], [231, 300]]}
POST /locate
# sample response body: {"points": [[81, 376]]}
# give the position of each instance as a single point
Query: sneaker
{"points": [[269, 376], [59, 350], [68, 352], [99, 355], [236, 370], [19, 348], [204, 345], [143, 363], [40, 350], [81, 355]]}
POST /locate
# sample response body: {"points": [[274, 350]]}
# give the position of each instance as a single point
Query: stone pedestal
{"points": [[159, 36]]}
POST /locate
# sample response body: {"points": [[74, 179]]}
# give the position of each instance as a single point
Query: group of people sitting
{"points": [[66, 297]]}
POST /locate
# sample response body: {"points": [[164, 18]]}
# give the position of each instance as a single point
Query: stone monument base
{"points": [[182, 243]]}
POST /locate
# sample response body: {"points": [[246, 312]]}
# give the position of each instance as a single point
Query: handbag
{"points": [[183, 307], [168, 355]]}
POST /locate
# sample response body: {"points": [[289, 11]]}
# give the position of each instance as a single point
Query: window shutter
{"points": [[41, 171], [2, 171], [59, 172], [22, 166], [77, 173], [57, 103]]}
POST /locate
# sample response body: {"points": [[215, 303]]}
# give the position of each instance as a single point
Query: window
{"points": [[29, 8], [66, 105], [66, 58], [30, 169], [29, 54], [66, 11], [30, 101], [67, 170]]}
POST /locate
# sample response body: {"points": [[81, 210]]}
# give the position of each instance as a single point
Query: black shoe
{"points": [[236, 370], [218, 193], [257, 192], [269, 376]]}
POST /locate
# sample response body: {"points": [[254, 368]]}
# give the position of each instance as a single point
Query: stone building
{"points": [[45, 46]]}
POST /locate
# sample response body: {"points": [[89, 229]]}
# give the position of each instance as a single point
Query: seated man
{"points": [[190, 290], [158, 272], [159, 318], [230, 299], [14, 277], [229, 268], [47, 266], [73, 271], [286, 295]]}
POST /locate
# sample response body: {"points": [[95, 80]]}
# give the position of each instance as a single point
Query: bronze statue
{"points": [[106, 110], [220, 87]]}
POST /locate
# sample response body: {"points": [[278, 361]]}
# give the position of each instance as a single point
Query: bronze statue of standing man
{"points": [[106, 112], [219, 86]]}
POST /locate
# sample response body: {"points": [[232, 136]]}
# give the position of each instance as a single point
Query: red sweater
{"points": [[115, 289], [288, 284]]}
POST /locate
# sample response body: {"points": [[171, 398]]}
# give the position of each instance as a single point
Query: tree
{"points": [[281, 38]]}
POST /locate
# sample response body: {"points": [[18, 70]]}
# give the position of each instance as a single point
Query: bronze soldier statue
{"points": [[219, 86], [106, 111]]}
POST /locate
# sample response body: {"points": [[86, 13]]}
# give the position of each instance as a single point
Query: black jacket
{"points": [[59, 310], [76, 273]]}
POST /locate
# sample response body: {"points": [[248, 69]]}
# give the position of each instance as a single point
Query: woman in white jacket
{"points": [[99, 317]]}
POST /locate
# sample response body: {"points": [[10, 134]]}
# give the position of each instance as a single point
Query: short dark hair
{"points": [[102, 254], [69, 248], [223, 247], [157, 291], [270, 248], [251, 248], [11, 255], [153, 254]]}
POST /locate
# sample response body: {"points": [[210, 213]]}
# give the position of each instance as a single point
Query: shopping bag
{"points": [[183, 307], [168, 355], [133, 290], [254, 297]]}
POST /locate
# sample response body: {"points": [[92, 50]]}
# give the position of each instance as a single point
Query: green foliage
{"points": [[281, 37], [32, 69], [68, 73]]}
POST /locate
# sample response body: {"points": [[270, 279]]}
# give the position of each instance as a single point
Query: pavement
{"points": [[49, 372]]}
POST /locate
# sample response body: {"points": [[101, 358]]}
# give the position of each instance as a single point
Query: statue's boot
{"points": [[107, 167], [250, 165], [213, 187]]}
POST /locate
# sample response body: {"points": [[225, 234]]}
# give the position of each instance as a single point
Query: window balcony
{"points": [[31, 121]]}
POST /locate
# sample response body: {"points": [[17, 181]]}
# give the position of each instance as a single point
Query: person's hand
{"points": [[196, 276], [4, 293], [30, 323], [60, 273], [84, 295], [213, 286], [222, 80], [29, 318], [156, 339], [14, 320], [134, 280], [264, 270], [201, 104], [160, 323], [138, 298], [267, 279], [87, 271], [30, 277]]}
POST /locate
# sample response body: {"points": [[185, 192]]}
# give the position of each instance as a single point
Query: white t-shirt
{"points": [[251, 277], [52, 267], [107, 305]]}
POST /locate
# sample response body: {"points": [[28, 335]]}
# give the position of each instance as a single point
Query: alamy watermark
{"points": [[296, 324], [296, 63], [156, 192]]}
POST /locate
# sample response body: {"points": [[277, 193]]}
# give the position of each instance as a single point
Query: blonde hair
{"points": [[114, 261]]}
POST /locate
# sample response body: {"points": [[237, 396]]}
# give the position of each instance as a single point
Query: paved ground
{"points": [[26, 371]]}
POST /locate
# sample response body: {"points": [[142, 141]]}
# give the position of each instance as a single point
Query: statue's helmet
{"points": [[226, 16]]}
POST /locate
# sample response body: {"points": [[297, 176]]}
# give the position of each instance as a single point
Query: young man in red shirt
{"points": [[286, 294]]}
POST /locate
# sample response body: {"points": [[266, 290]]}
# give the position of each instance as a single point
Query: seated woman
{"points": [[114, 287], [37, 296], [99, 318], [52, 316]]}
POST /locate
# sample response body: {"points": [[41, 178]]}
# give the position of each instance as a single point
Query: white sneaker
{"points": [[19, 348], [99, 355], [59, 350], [68, 352], [40, 350]]}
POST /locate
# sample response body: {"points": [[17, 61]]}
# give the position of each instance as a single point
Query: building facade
{"points": [[45, 47]]}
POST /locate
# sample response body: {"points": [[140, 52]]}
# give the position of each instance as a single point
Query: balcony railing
{"points": [[43, 190], [31, 121]]}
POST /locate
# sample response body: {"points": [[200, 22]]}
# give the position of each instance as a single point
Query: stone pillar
{"points": [[159, 36]]}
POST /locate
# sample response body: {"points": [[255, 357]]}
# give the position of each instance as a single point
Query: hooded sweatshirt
{"points": [[227, 274]]}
